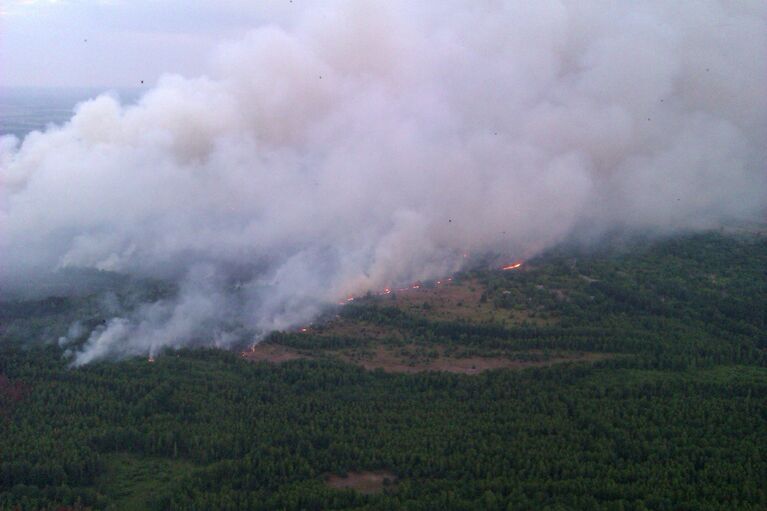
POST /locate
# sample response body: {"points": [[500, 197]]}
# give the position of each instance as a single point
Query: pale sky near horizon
{"points": [[119, 43]]}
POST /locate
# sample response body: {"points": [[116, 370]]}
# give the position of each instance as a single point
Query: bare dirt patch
{"points": [[11, 394], [274, 353], [411, 359], [457, 301], [402, 360], [446, 301], [364, 482]]}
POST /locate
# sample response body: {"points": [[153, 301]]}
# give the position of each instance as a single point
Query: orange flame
{"points": [[388, 291], [512, 266]]}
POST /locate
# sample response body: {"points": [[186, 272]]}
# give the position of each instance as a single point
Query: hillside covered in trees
{"points": [[631, 378]]}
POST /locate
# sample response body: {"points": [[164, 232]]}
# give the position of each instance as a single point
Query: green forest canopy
{"points": [[675, 418]]}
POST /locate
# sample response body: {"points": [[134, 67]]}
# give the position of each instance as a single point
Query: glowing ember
{"points": [[388, 291], [513, 266], [304, 330], [150, 359]]}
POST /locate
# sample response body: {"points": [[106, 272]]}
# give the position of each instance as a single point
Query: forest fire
{"points": [[417, 285], [251, 349]]}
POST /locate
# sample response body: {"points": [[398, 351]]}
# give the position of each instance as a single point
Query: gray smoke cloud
{"points": [[366, 144]]}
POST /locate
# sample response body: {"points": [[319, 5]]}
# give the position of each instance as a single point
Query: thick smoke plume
{"points": [[364, 144]]}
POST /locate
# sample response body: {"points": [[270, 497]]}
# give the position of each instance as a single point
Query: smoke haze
{"points": [[366, 144]]}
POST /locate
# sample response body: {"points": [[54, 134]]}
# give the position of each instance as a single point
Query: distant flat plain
{"points": [[27, 109]]}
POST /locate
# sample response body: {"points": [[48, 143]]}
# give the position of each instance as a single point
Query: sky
{"points": [[116, 43]]}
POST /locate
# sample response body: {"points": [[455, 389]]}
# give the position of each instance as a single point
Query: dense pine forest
{"points": [[646, 390]]}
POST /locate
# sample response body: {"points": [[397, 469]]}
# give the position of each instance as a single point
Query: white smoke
{"points": [[374, 143]]}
